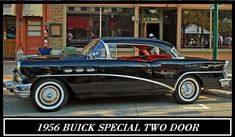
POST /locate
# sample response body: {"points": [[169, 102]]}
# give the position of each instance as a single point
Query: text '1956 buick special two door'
{"points": [[111, 67]]}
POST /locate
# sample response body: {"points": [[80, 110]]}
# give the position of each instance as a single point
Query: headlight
{"points": [[18, 65]]}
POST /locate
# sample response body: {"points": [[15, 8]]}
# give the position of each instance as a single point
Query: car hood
{"points": [[54, 57]]}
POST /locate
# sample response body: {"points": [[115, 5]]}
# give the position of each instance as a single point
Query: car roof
{"points": [[149, 41]]}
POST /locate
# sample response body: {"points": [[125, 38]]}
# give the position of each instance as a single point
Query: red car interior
{"points": [[147, 57]]}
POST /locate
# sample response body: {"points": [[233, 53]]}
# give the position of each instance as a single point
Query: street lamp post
{"points": [[215, 32]]}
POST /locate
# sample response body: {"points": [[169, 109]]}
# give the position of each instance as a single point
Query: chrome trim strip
{"points": [[90, 69], [23, 90], [225, 69], [79, 69], [193, 72], [138, 78], [112, 75], [18, 65], [68, 70]]}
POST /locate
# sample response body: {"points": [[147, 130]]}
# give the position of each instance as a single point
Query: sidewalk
{"points": [[8, 67]]}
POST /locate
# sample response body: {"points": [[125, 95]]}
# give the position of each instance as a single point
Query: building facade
{"points": [[187, 26]]}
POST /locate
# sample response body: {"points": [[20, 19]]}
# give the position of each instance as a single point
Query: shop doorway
{"points": [[153, 28], [34, 38], [169, 25]]}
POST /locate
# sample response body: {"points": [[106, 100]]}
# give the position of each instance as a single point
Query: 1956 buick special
{"points": [[110, 67]]}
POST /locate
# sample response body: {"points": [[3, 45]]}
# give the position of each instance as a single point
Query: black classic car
{"points": [[110, 67]]}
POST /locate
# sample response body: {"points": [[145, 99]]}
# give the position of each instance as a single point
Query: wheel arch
{"points": [[189, 75]]}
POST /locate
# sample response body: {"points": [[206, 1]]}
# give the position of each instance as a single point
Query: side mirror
{"points": [[91, 55]]}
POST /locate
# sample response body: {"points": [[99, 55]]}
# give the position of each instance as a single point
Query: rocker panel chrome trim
{"points": [[138, 78]]}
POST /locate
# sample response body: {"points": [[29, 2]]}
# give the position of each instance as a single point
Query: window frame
{"points": [[34, 25]]}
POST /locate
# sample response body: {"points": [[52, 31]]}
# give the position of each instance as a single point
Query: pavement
{"points": [[9, 66]]}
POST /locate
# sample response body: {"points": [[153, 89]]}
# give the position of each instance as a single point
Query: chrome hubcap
{"points": [[49, 95], [188, 89]]}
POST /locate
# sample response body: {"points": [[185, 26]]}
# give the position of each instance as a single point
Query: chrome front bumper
{"points": [[225, 82], [23, 90]]}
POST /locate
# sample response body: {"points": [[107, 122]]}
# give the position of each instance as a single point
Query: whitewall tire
{"points": [[49, 94], [188, 90]]}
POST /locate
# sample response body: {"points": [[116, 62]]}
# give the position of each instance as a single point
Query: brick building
{"points": [[187, 26]]}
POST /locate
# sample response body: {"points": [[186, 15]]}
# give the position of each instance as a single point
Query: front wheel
{"points": [[188, 90], [49, 95]]}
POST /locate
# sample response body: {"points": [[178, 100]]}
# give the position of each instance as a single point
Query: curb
{"points": [[9, 63], [218, 92]]}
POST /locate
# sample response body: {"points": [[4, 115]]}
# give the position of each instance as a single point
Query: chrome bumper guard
{"points": [[225, 82], [23, 90]]}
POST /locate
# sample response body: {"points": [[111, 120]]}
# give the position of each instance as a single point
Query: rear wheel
{"points": [[188, 90], [49, 94]]}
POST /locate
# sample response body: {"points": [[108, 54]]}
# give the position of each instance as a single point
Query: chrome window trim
{"points": [[225, 67], [18, 65], [177, 54], [172, 55]]}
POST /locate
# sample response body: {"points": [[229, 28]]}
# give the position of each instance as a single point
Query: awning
{"points": [[8, 9], [194, 29], [32, 10], [28, 9]]}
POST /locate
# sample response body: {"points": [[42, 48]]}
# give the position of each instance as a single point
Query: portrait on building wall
{"points": [[55, 30]]}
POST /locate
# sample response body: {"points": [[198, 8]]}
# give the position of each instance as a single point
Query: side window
{"points": [[125, 50], [99, 51], [11, 32], [158, 51], [136, 52], [121, 50]]}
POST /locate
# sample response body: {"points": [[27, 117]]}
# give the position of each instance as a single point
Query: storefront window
{"points": [[11, 29], [117, 22], [225, 29], [195, 28], [82, 25]]}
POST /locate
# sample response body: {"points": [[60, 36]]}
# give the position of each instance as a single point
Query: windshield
{"points": [[88, 48]]}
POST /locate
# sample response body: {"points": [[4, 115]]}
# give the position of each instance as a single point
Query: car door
{"points": [[123, 78], [118, 77]]}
